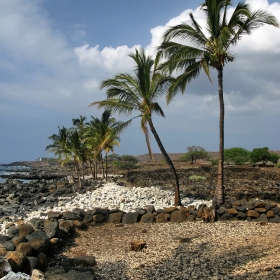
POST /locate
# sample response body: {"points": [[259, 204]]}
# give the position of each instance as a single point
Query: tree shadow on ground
{"points": [[194, 260]]}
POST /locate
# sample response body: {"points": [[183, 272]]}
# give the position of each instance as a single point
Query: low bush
{"points": [[197, 178], [214, 162], [125, 162]]}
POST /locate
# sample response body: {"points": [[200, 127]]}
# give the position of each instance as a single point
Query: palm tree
{"points": [[61, 145], [209, 48], [79, 126], [103, 134], [78, 150], [127, 93]]}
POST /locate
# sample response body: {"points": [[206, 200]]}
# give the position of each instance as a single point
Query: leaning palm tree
{"points": [[209, 48], [127, 93]]}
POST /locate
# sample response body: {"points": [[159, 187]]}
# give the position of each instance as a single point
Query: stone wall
{"points": [[240, 183]]}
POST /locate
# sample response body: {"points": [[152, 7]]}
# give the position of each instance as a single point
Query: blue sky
{"points": [[53, 55]]}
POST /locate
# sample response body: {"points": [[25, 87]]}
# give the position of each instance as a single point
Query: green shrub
{"points": [[197, 178], [125, 162], [236, 155], [214, 162], [274, 158], [277, 165]]}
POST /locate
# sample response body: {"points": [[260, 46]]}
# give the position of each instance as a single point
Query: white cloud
{"points": [[109, 59]]}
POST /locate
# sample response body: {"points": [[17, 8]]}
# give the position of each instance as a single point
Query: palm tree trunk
{"points": [[96, 169], [92, 170], [83, 171], [106, 163], [148, 144], [219, 192], [177, 200], [102, 166]]}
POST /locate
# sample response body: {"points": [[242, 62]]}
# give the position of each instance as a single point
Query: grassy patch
{"points": [[197, 178]]}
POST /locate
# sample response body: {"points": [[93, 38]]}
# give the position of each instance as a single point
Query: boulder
{"points": [[241, 215], [137, 245], [66, 227], [270, 214], [19, 239], [221, 211], [37, 275], [24, 248], [263, 218], [5, 267], [17, 276], [130, 218], [232, 211], [259, 204], [51, 227], [253, 213], [87, 218], [3, 250], [115, 217], [42, 261], [147, 218], [161, 218], [18, 262], [56, 215], [178, 217], [261, 210], [68, 215], [8, 245], [25, 229], [39, 244], [33, 262], [275, 219], [98, 218], [240, 208]]}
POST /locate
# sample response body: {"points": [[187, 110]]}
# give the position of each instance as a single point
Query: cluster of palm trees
{"points": [[85, 142], [186, 49]]}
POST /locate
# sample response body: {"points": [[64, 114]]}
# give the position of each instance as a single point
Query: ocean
{"points": [[6, 170]]}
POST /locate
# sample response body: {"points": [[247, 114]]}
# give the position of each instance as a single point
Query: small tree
{"points": [[274, 158], [260, 154], [236, 155], [194, 153]]}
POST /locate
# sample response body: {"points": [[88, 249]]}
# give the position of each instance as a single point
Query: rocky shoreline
{"points": [[52, 208]]}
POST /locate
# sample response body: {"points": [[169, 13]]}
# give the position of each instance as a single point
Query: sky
{"points": [[55, 53]]}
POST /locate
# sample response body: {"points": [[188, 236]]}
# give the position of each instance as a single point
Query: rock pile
{"points": [[255, 210], [29, 245]]}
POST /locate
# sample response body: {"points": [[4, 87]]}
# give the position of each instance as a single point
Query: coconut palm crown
{"points": [[188, 49]]}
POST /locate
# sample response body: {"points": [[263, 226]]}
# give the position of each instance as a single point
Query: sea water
{"points": [[6, 170]]}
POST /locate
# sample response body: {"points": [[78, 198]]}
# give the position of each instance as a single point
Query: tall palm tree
{"points": [[209, 49], [127, 93]]}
